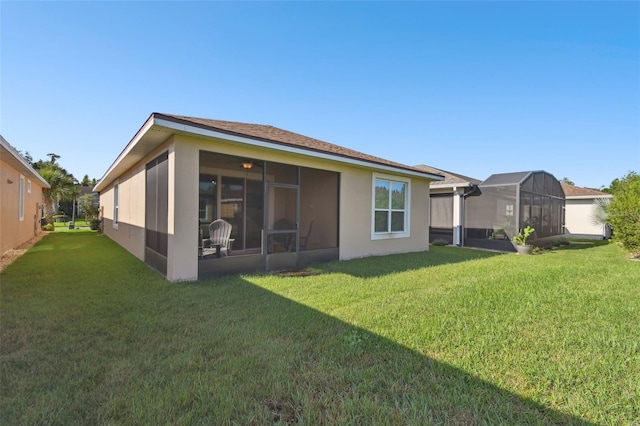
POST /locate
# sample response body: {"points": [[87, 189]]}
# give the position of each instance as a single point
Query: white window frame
{"points": [[509, 209], [407, 207], [116, 204], [29, 186], [21, 188]]}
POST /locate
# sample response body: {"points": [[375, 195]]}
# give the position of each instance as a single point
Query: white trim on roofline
{"points": [[439, 185], [197, 130], [127, 149], [587, 197], [294, 150], [23, 162]]}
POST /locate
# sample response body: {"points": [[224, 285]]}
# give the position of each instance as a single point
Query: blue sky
{"points": [[471, 87]]}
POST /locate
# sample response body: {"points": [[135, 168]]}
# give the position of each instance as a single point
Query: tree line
{"points": [[64, 189]]}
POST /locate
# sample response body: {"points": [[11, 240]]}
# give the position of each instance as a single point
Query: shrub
{"points": [[523, 235], [624, 212], [48, 227], [95, 224], [440, 242], [61, 217]]}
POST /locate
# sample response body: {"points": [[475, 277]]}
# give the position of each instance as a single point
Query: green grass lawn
{"points": [[453, 336], [79, 226]]}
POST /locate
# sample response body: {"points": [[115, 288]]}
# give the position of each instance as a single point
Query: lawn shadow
{"points": [[318, 369], [126, 347], [580, 245], [377, 266]]}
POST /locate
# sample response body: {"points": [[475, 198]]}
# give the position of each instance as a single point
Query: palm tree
{"points": [[61, 188]]}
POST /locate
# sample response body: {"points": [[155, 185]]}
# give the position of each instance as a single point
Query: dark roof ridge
{"points": [[458, 178], [285, 137]]}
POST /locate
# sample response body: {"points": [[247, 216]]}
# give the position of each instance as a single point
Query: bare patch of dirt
{"points": [[297, 273], [283, 411], [11, 255]]}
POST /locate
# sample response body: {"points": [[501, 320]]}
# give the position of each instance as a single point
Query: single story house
{"points": [[20, 198], [447, 201], [580, 213], [290, 200]]}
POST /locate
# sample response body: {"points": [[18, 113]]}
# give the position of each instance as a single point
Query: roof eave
{"points": [[181, 127], [587, 197], [184, 127], [451, 185], [16, 155], [106, 179]]}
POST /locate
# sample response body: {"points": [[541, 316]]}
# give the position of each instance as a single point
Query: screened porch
{"points": [[273, 216]]}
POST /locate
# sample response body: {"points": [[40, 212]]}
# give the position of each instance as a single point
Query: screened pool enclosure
{"points": [[509, 202]]}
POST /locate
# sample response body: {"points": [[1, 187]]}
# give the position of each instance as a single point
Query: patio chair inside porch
{"points": [[219, 239]]}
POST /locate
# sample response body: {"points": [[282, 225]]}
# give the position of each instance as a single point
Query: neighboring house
{"points": [[447, 202], [20, 198], [580, 207], [291, 200]]}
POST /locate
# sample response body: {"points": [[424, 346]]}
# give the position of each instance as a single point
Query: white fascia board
{"points": [[23, 162], [587, 197], [437, 185], [294, 150], [127, 149]]}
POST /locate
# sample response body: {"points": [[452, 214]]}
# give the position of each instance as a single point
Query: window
{"points": [[116, 206], [509, 210], [29, 186], [390, 208], [21, 199]]}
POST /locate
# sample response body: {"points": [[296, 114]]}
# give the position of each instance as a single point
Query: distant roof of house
{"points": [[12, 157], [572, 191], [159, 126], [450, 178], [84, 190]]}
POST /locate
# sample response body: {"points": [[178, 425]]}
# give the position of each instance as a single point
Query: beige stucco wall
{"points": [[356, 198], [579, 220], [355, 202], [182, 250], [184, 153], [129, 232], [13, 231]]}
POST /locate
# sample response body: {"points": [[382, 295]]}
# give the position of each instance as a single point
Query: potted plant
{"points": [[520, 240]]}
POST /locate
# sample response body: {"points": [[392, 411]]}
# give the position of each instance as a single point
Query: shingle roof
{"points": [[576, 191], [158, 127], [449, 177], [284, 137]]}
